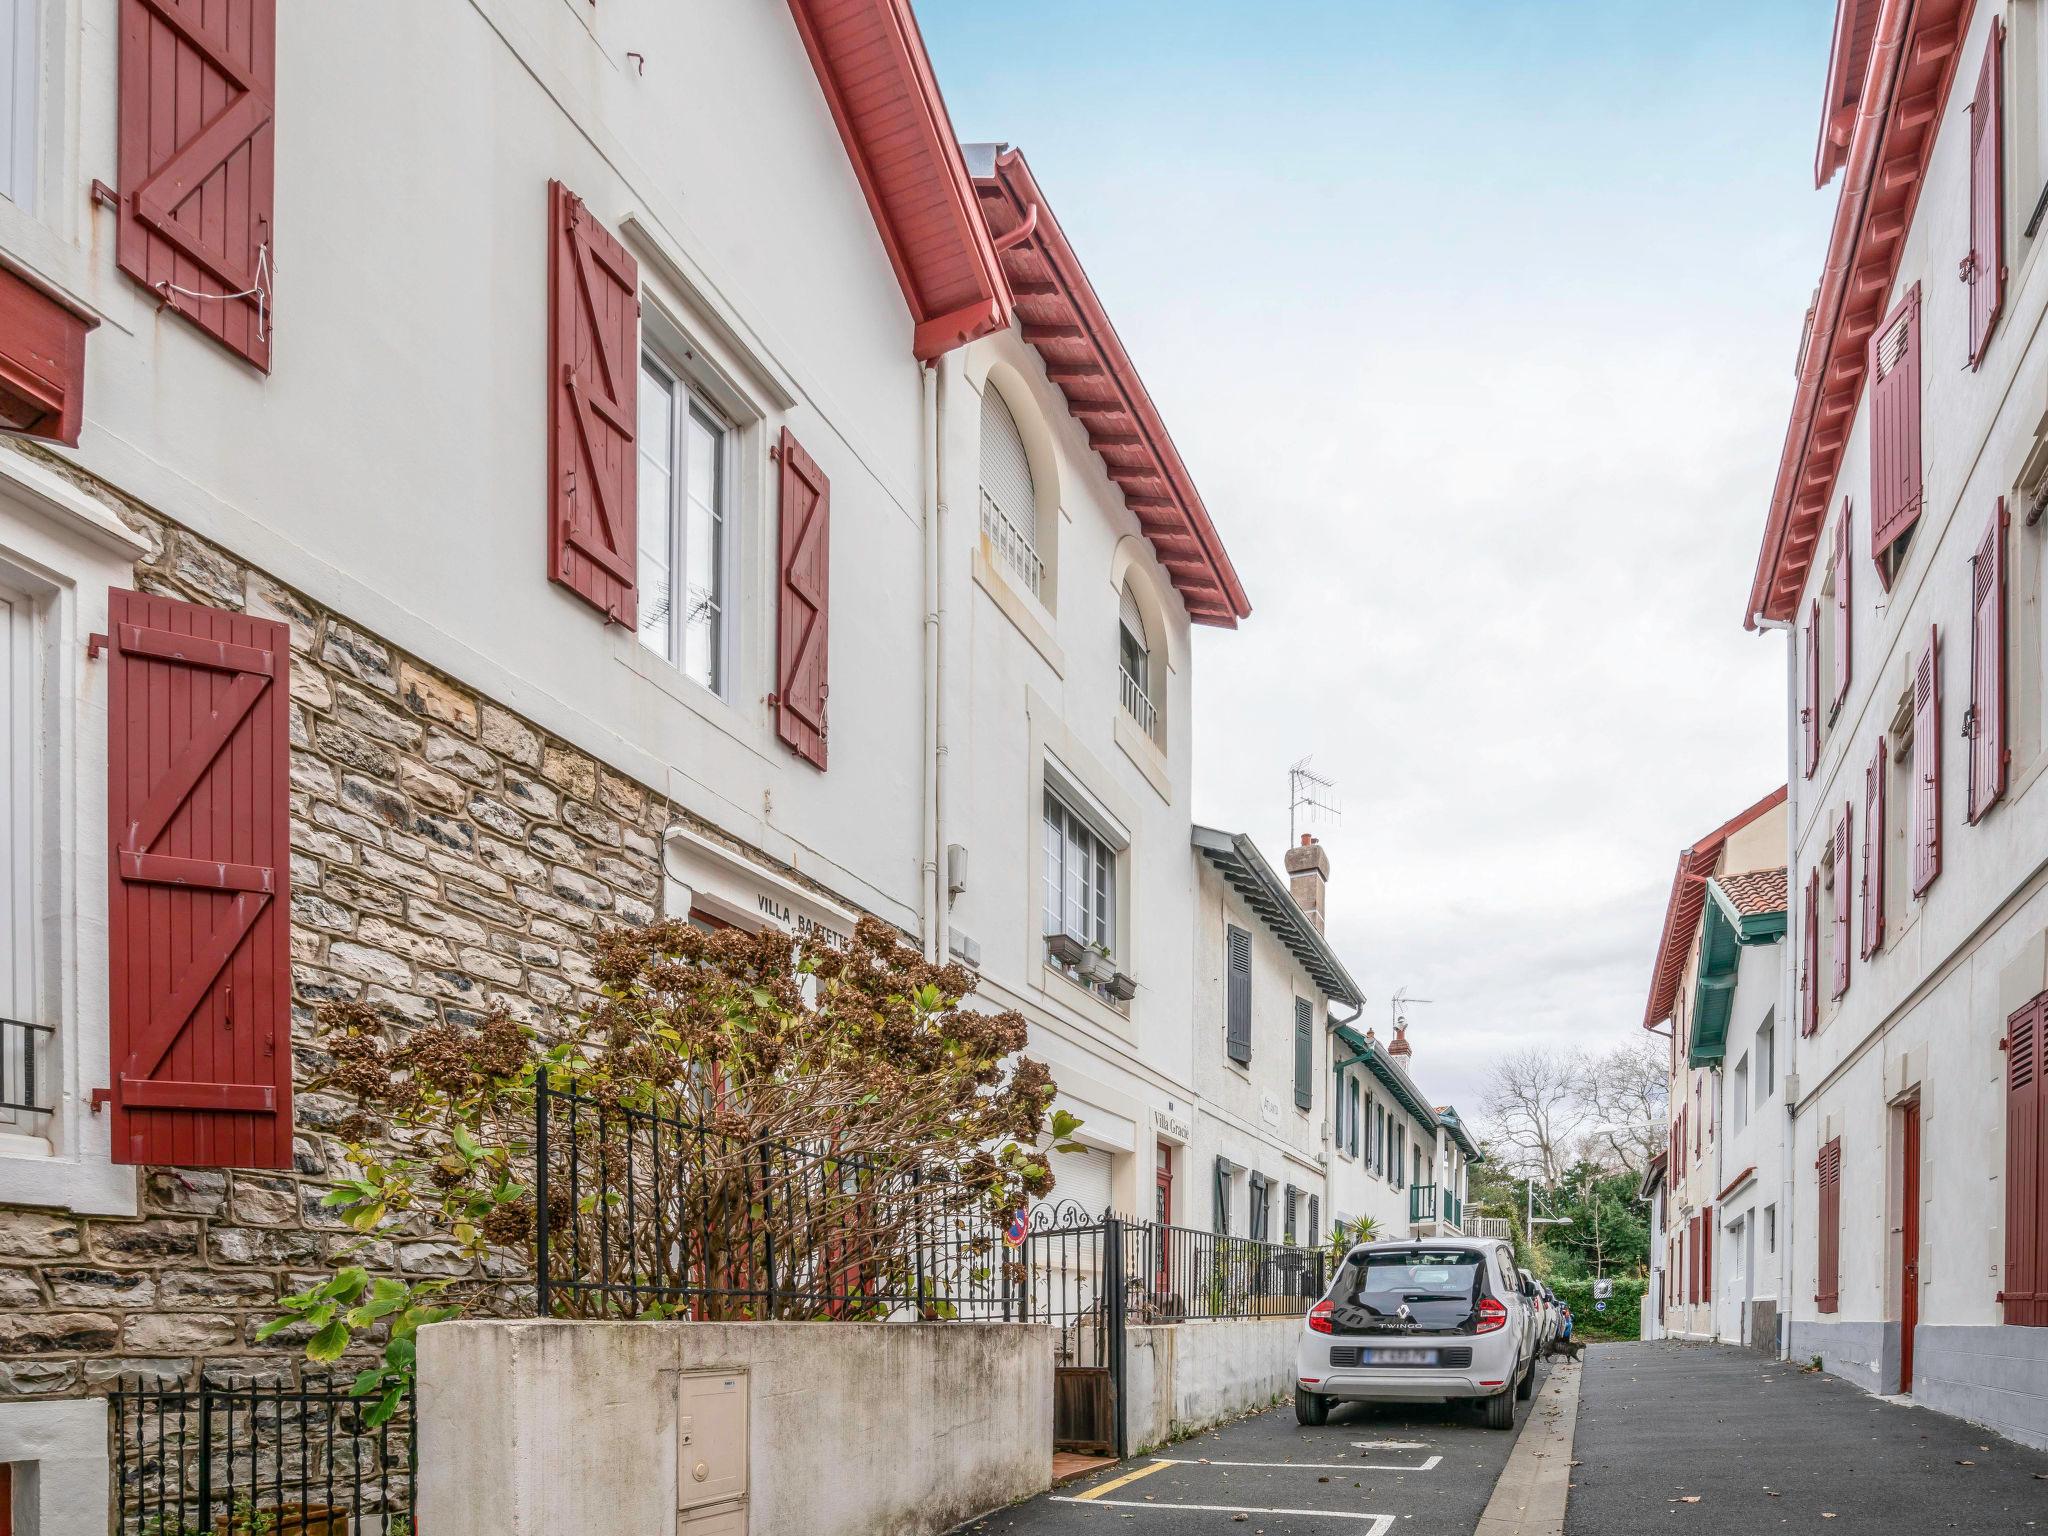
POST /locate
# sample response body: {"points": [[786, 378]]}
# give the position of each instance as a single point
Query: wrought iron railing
{"points": [[1138, 704], [1019, 551], [228, 1459], [654, 1213], [26, 1077]]}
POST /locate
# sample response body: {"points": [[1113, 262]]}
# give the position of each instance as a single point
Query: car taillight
{"points": [[1492, 1315], [1320, 1320]]}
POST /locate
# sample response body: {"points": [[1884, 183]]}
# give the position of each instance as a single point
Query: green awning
{"points": [[1713, 995]]}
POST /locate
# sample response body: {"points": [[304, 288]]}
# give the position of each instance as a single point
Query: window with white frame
{"points": [[1080, 878], [1135, 666], [1766, 1067], [685, 448], [1009, 498], [20, 73], [1738, 1096], [27, 1064]]}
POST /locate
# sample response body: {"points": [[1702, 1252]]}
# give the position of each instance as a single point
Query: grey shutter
{"points": [[1356, 1116], [1222, 1214], [1315, 1222], [1287, 1214], [1238, 994], [1304, 1053]]}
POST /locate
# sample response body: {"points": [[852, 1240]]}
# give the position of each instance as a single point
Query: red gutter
{"points": [[1736, 1183], [1885, 53]]}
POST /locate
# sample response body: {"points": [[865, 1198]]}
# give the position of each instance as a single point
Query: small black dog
{"points": [[1571, 1348]]}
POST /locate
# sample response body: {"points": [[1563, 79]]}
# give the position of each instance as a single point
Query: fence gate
{"points": [[1073, 1276]]}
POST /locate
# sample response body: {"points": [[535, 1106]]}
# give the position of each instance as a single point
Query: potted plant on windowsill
{"points": [[1064, 949], [1097, 965], [1121, 987]]}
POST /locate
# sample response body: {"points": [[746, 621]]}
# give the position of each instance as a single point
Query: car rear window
{"points": [[1424, 1272]]}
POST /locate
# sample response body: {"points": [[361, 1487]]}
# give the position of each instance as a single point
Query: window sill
{"points": [[1023, 610], [1058, 987], [35, 1175], [714, 708], [1144, 753]]}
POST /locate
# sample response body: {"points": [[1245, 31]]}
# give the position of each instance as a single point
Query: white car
{"points": [[1427, 1319]]}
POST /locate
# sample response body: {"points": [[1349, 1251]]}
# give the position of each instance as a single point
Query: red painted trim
{"points": [[1736, 1183], [42, 361], [1063, 317], [1912, 63], [1687, 901], [1848, 59], [884, 97]]}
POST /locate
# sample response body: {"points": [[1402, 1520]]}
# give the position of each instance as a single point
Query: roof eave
{"points": [[1237, 858]]}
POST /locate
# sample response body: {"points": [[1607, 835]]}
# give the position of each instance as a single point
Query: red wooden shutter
{"points": [[1828, 1293], [1985, 722], [198, 908], [1927, 765], [197, 88], [1894, 367], [1984, 268], [1809, 708], [1873, 853], [2025, 1293], [1842, 563], [1844, 828], [803, 679], [593, 401], [1707, 1254], [1692, 1266], [1809, 959]]}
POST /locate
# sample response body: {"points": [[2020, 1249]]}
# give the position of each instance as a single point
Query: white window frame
{"points": [[1078, 834], [22, 74], [689, 400], [67, 549], [1013, 532]]}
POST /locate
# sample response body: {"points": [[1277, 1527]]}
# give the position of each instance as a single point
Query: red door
{"points": [[1162, 1205], [1909, 1247]]}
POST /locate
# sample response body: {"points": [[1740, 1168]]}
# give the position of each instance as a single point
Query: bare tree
{"points": [[1537, 1105], [1625, 1093]]}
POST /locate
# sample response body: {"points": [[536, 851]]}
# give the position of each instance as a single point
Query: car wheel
{"points": [[1526, 1387], [1500, 1410], [1310, 1408]]}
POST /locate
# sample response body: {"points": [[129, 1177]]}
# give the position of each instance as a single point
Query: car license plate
{"points": [[1397, 1357]]}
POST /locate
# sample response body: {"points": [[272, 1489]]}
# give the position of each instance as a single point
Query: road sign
{"points": [[1599, 1306], [1602, 1289]]}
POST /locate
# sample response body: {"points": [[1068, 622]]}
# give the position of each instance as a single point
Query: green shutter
{"points": [[1304, 1053]]}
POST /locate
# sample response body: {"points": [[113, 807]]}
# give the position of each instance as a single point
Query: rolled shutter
{"points": [[2025, 1292], [1304, 1052], [1894, 370], [593, 405], [1926, 799], [1809, 959], [1985, 723], [197, 91], [1842, 564], [1873, 852], [1828, 1293], [1984, 267], [1237, 995], [804, 608], [1809, 707], [198, 786], [1844, 827]]}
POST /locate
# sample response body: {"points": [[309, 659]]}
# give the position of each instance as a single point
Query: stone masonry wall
{"points": [[446, 856]]}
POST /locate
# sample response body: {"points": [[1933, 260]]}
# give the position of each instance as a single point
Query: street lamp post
{"points": [[1534, 1221]]}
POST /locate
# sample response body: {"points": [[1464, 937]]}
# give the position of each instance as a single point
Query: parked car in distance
{"points": [[1420, 1320], [1546, 1314]]}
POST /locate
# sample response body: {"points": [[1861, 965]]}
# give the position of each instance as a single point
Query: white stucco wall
{"points": [[554, 1429], [1184, 1377]]}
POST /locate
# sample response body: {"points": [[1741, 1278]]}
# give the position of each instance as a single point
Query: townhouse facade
{"points": [[1902, 554], [1717, 989], [388, 609]]}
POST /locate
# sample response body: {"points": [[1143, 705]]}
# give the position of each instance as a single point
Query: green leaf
{"points": [[275, 1326], [466, 1144], [346, 1285], [329, 1343], [366, 1382], [400, 1354]]}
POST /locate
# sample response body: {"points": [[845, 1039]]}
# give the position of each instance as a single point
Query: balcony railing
{"points": [[1138, 705], [1019, 553], [1422, 1202], [1428, 1203]]}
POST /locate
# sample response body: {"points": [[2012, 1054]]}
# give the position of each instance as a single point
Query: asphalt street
{"points": [[1416, 1469], [1711, 1440]]}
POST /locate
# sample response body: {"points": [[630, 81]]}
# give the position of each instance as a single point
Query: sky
{"points": [[1475, 325]]}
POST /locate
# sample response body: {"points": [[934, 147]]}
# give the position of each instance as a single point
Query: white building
{"points": [[590, 461], [1903, 553], [1715, 989], [1400, 1162]]}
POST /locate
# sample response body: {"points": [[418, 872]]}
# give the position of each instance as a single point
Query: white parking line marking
{"points": [[1318, 1466], [1390, 1445], [1381, 1523]]}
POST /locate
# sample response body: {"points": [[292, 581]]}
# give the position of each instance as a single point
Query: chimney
{"points": [[1399, 1049], [1308, 877]]}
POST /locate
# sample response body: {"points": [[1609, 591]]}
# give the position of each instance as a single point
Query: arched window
{"points": [[1134, 656], [1009, 501]]}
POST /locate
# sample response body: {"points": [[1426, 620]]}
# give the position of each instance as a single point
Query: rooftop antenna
{"points": [[1402, 1002], [1309, 791]]}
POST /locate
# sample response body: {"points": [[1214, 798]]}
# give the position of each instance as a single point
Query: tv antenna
{"points": [[1311, 792], [1402, 1002]]}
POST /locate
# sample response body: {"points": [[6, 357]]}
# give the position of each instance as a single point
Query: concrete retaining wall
{"points": [[560, 1429], [1183, 1377], [1866, 1353], [1991, 1375]]}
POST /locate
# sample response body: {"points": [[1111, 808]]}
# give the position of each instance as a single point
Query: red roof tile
{"points": [[1688, 900]]}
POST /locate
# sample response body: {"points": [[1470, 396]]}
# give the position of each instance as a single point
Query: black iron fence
{"points": [[652, 1213], [25, 1076], [251, 1459]]}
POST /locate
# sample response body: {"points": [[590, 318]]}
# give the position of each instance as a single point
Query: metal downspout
{"points": [[932, 892], [1787, 1025]]}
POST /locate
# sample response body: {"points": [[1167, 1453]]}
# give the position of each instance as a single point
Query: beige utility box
{"points": [[711, 1453]]}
